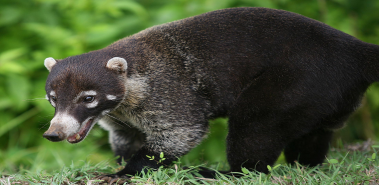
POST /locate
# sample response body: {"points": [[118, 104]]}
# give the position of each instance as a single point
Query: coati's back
{"points": [[221, 53]]}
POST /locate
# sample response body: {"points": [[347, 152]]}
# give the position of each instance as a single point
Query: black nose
{"points": [[53, 136]]}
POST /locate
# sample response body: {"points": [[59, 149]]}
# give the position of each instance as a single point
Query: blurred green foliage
{"points": [[32, 30]]}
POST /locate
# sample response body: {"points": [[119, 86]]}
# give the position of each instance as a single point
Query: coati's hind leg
{"points": [[309, 149], [125, 143], [252, 147], [259, 129]]}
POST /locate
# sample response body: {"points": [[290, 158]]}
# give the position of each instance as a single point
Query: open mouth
{"points": [[82, 133]]}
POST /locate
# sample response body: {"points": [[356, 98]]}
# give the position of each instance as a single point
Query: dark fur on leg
{"points": [[309, 149], [140, 160], [126, 142]]}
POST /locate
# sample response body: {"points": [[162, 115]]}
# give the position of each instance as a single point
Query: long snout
{"points": [[54, 134]]}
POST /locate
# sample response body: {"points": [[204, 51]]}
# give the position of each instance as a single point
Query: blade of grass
{"points": [[18, 120]]}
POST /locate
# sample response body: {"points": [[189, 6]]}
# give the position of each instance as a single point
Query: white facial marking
{"points": [[89, 93], [77, 97], [68, 123], [111, 97], [52, 93], [84, 93], [47, 98], [92, 104]]}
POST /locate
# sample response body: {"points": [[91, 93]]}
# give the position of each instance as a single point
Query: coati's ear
{"points": [[118, 64], [49, 63]]}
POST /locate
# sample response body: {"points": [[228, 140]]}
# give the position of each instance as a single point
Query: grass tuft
{"points": [[341, 167]]}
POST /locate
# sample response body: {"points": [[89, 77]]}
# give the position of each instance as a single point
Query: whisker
{"points": [[43, 126], [34, 99], [118, 120]]}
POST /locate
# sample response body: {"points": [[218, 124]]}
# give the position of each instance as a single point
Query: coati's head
{"points": [[82, 89]]}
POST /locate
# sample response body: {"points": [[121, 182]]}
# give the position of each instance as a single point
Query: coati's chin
{"points": [[82, 133]]}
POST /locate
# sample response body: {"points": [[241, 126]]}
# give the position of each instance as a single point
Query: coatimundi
{"points": [[284, 80]]}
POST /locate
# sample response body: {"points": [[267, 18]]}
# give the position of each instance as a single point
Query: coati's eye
{"points": [[89, 99], [53, 98]]}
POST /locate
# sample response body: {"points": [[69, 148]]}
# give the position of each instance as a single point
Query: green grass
{"points": [[340, 167]]}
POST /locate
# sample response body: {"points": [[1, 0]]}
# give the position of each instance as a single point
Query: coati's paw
{"points": [[112, 179]]}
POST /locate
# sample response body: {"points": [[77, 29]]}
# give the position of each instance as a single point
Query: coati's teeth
{"points": [[77, 137]]}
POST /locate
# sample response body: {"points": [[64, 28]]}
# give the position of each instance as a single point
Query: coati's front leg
{"points": [[173, 142], [126, 142]]}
